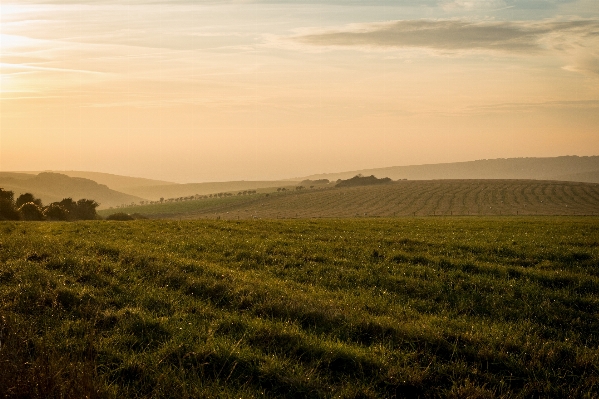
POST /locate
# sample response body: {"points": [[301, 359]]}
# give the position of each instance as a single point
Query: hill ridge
{"points": [[567, 168]]}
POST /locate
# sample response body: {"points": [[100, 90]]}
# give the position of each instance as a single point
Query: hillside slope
{"points": [[184, 190], [50, 187], [568, 168], [403, 198], [112, 181]]}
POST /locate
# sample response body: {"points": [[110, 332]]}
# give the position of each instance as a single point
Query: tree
{"points": [[55, 211], [31, 211], [7, 195], [27, 197], [69, 205], [7, 206], [86, 209]]}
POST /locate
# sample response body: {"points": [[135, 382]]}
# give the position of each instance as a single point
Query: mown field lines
{"points": [[421, 198], [404, 198]]}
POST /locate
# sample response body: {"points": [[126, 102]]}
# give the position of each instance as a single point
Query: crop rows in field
{"points": [[416, 198]]}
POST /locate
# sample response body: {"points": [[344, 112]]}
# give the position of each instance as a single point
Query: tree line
{"points": [[27, 207], [190, 198]]}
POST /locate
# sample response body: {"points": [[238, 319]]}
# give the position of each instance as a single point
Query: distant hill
{"points": [[9, 176], [115, 182], [183, 190], [588, 177], [50, 187], [566, 168]]}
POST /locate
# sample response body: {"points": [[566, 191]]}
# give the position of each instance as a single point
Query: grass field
{"points": [[403, 198], [351, 308]]}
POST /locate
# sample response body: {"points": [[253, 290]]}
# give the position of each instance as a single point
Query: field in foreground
{"points": [[354, 308], [403, 198]]}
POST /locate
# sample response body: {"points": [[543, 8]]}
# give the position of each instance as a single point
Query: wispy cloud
{"points": [[578, 40]]}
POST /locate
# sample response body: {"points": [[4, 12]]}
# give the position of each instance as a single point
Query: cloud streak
{"points": [[453, 35], [577, 40]]}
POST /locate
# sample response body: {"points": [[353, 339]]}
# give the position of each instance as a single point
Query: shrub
{"points": [[31, 211], [7, 206], [360, 180], [26, 198], [55, 211], [86, 209], [121, 216]]}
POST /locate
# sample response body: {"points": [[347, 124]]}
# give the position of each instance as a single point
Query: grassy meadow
{"points": [[462, 307], [402, 198]]}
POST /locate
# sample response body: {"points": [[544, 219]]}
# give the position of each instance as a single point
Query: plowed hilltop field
{"points": [[402, 198]]}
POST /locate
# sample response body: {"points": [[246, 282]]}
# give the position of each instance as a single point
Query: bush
{"points": [[360, 180], [55, 211], [31, 211], [121, 216], [7, 210], [86, 209], [26, 198]]}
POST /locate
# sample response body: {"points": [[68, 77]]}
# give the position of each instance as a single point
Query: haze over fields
{"points": [[258, 90], [113, 190]]}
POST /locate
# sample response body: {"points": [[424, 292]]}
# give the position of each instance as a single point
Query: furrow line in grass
{"points": [[426, 197], [527, 192], [469, 199], [579, 200], [571, 203], [407, 200], [592, 192], [385, 198], [388, 198]]}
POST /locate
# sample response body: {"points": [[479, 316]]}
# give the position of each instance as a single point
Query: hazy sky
{"points": [[194, 90]]}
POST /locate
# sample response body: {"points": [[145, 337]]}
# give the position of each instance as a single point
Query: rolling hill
{"points": [[567, 168], [403, 198], [184, 190], [112, 181], [50, 187], [155, 189]]}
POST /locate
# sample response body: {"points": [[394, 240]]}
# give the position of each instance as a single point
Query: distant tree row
{"points": [[27, 207], [189, 198]]}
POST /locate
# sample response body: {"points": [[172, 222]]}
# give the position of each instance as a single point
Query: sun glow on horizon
{"points": [[265, 90]]}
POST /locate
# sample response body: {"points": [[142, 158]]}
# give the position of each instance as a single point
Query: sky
{"points": [[195, 90]]}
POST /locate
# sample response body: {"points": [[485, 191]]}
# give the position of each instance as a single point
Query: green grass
{"points": [[351, 308]]}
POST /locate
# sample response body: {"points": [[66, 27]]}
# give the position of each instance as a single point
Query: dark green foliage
{"points": [[31, 211], [369, 308], [7, 206], [121, 216], [360, 180], [26, 198], [69, 204], [82, 209], [56, 211], [86, 209], [8, 211], [7, 195]]}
